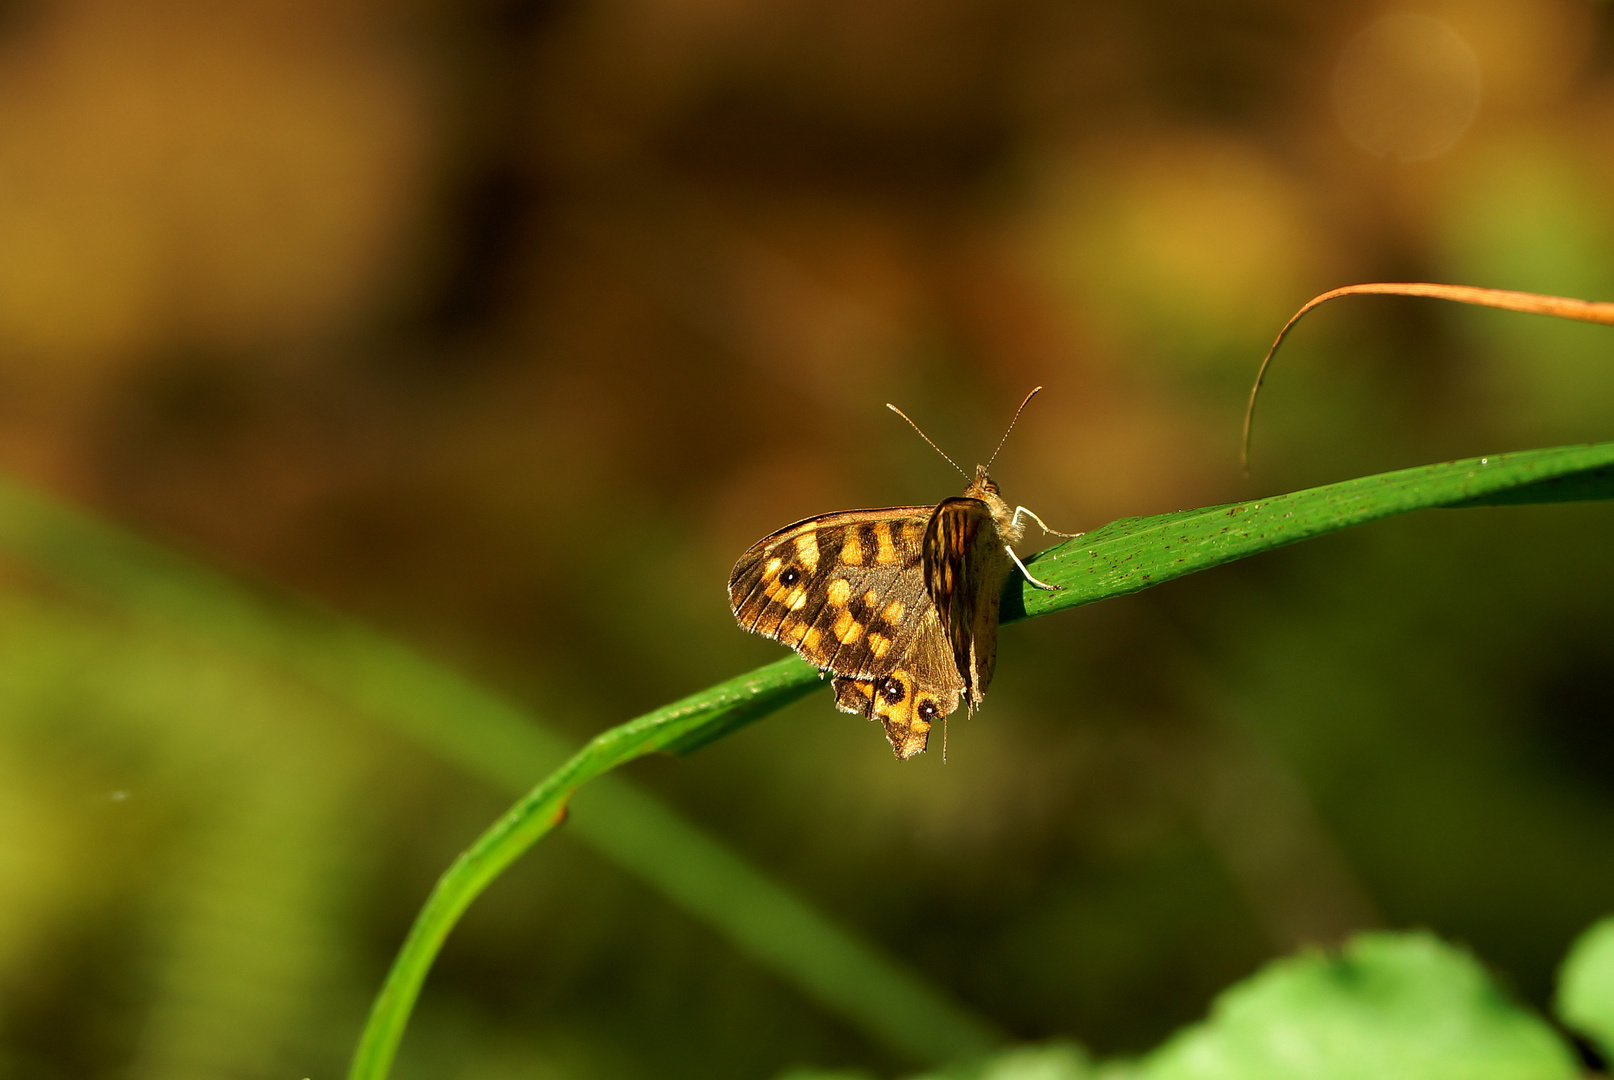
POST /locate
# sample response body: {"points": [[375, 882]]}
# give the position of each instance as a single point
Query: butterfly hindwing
{"points": [[909, 699]]}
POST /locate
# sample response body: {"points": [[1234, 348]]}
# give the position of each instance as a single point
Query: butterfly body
{"points": [[899, 604]]}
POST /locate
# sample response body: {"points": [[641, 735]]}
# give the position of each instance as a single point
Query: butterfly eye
{"points": [[892, 690], [928, 710], [790, 576]]}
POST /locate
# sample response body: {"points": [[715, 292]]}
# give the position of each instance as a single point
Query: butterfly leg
{"points": [[1018, 510], [1039, 584]]}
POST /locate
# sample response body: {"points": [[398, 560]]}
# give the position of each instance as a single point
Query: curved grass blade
{"points": [[1559, 307], [693, 721], [1123, 557], [536, 814]]}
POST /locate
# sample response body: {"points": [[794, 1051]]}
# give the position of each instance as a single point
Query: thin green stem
{"points": [[538, 812]]}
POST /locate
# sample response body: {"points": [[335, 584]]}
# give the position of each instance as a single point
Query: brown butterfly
{"points": [[900, 604]]}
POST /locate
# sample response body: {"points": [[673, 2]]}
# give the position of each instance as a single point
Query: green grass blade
{"points": [[1135, 553], [760, 692], [538, 812]]}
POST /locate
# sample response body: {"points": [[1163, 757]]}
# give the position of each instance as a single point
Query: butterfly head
{"points": [[984, 488]]}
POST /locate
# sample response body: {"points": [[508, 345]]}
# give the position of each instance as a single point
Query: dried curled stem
{"points": [[1561, 307]]}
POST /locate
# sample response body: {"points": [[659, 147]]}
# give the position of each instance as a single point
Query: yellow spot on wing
{"points": [[840, 591], [794, 631], [807, 550], [894, 612], [811, 640], [879, 645], [773, 567], [888, 551], [792, 596], [847, 629], [871, 598], [852, 549]]}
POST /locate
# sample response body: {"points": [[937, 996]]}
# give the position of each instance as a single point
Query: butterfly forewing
{"points": [[843, 590], [965, 567]]}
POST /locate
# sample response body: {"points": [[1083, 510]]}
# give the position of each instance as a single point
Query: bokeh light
{"points": [[1407, 87]]}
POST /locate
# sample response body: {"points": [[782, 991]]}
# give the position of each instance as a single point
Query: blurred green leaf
{"points": [[256, 778], [1057, 1061], [1387, 1007], [1054, 1061], [1586, 985]]}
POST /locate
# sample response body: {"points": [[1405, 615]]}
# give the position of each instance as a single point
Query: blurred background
{"points": [[504, 326]]}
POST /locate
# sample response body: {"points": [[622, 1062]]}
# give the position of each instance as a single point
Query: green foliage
{"points": [[1384, 1007], [1387, 1007], [1058, 1061], [1586, 985], [1055, 1061], [240, 942]]}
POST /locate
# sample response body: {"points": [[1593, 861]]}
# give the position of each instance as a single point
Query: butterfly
{"points": [[899, 604]]}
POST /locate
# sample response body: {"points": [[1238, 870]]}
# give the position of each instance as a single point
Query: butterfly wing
{"points": [[846, 591], [910, 698], [965, 566]]}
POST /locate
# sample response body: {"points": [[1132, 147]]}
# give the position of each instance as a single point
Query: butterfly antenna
{"points": [[1035, 390], [925, 437]]}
